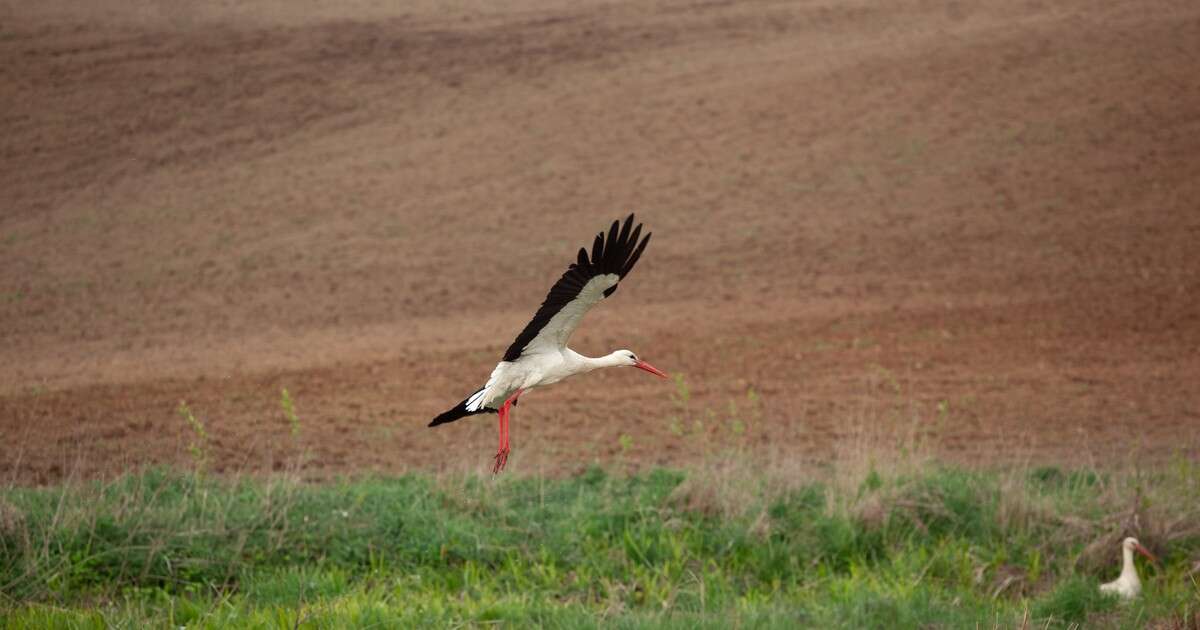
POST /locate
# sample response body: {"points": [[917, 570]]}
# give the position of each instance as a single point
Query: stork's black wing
{"points": [[587, 281]]}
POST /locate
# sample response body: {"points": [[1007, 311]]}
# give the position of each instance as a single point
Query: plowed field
{"points": [[973, 224]]}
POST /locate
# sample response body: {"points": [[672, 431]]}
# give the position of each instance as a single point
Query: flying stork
{"points": [[540, 355]]}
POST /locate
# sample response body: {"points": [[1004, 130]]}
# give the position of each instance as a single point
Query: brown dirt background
{"points": [[969, 223]]}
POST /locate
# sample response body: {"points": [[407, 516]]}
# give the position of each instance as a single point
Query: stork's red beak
{"points": [[642, 365], [1145, 552]]}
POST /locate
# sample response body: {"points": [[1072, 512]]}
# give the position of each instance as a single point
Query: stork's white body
{"points": [[546, 359], [1129, 584], [535, 370]]}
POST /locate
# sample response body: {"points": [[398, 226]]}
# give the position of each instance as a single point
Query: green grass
{"points": [[934, 547]]}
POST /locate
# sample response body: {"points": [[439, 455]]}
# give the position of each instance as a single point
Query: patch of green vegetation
{"points": [[1073, 601], [940, 547], [289, 412], [198, 446]]}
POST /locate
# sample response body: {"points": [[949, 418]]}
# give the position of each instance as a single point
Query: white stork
{"points": [[540, 355], [1129, 585]]}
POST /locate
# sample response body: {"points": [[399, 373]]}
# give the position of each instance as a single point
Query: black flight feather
{"points": [[615, 254], [458, 411]]}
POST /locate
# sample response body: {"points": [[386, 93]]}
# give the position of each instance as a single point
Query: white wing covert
{"points": [[586, 282]]}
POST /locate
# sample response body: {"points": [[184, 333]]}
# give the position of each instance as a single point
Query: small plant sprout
{"points": [[736, 426], [1033, 572], [681, 397], [682, 394], [289, 411], [198, 447], [888, 377]]}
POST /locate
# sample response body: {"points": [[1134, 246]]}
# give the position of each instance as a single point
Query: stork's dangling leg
{"points": [[502, 452]]}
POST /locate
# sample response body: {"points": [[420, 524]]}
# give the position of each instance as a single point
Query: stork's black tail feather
{"points": [[458, 411]]}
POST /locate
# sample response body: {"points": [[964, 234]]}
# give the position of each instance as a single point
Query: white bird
{"points": [[1129, 585], [540, 355]]}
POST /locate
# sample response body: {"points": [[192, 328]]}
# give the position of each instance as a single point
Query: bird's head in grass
{"points": [[1131, 544]]}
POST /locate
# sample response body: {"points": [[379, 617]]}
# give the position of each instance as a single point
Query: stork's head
{"points": [[627, 357], [1131, 544]]}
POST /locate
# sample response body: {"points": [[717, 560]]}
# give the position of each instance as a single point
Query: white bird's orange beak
{"points": [[1145, 552], [642, 365]]}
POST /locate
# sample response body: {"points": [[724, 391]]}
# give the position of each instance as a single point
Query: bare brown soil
{"points": [[970, 222]]}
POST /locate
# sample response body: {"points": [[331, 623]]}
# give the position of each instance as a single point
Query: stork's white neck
{"points": [[1128, 568], [587, 364]]}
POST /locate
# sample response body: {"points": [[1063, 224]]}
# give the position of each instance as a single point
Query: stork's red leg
{"points": [[502, 452]]}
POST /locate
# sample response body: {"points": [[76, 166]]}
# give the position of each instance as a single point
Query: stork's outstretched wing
{"points": [[587, 281]]}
